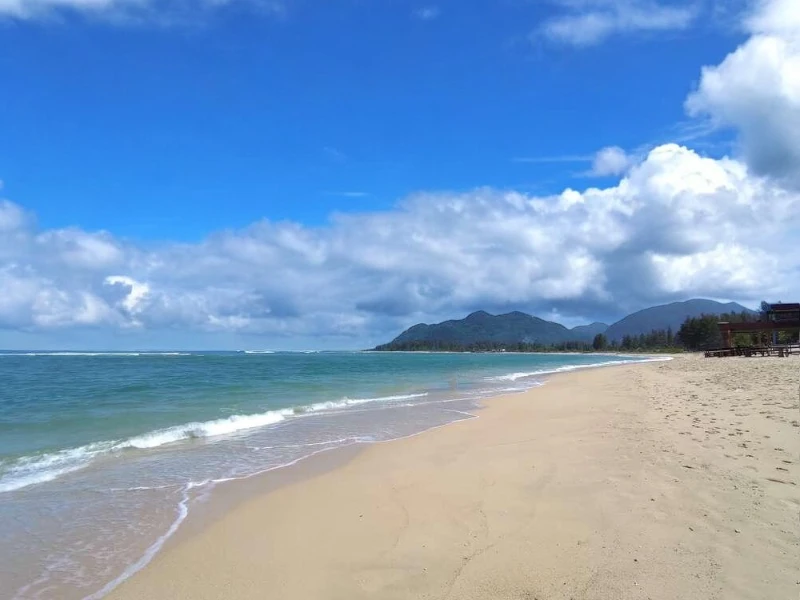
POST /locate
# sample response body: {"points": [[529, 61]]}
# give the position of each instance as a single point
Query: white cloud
{"points": [[608, 161], [427, 13], [756, 90], [77, 249], [11, 216], [164, 11], [135, 292], [589, 22], [724, 265], [611, 160], [779, 17], [677, 225]]}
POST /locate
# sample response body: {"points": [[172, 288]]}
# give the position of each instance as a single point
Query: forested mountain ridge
{"points": [[517, 330], [668, 316], [480, 326]]}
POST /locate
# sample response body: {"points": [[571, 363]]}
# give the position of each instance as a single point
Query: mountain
{"points": [[586, 333], [482, 327], [517, 327], [668, 315]]}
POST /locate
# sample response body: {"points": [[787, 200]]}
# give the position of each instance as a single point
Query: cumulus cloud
{"points": [[134, 293], [756, 91], [589, 22], [612, 160], [677, 225]]}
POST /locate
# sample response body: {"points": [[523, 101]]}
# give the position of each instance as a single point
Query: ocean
{"points": [[102, 455]]}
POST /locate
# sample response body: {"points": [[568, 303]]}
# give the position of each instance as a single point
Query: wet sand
{"points": [[661, 481]]}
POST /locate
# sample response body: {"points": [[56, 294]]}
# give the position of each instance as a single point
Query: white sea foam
{"points": [[514, 376], [259, 352], [339, 441], [31, 470], [182, 513], [566, 368], [142, 488], [213, 428], [345, 402], [18, 480], [516, 389]]}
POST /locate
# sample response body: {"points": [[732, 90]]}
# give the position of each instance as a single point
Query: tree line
{"points": [[695, 333], [488, 346]]}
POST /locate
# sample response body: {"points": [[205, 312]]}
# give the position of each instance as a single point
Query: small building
{"points": [[775, 318], [783, 313]]}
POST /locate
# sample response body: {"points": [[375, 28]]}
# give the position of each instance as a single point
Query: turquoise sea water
{"points": [[103, 454]]}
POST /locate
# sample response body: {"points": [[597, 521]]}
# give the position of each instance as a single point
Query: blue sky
{"points": [[161, 128], [346, 105]]}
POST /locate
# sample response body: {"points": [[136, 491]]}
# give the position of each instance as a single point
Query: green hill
{"points": [[482, 327]]}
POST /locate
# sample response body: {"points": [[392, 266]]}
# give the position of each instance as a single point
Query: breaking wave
{"points": [[31, 470]]}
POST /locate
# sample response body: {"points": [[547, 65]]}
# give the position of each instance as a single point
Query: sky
{"points": [[299, 174]]}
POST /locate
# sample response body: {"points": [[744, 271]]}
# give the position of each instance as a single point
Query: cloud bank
{"points": [[678, 224]]}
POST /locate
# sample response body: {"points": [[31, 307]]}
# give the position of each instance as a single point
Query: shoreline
{"points": [[202, 542], [241, 489], [221, 498], [193, 515], [154, 489], [228, 500]]}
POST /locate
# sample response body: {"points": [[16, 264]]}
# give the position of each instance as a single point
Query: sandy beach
{"points": [[654, 481]]}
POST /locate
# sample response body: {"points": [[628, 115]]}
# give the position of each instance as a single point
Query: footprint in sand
{"points": [[774, 480]]}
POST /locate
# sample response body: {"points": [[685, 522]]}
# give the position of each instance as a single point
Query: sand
{"points": [[660, 481]]}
